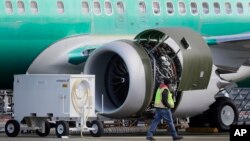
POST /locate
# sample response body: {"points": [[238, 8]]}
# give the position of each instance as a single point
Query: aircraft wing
{"points": [[230, 52]]}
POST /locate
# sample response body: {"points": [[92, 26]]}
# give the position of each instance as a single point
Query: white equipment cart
{"points": [[45, 101]]}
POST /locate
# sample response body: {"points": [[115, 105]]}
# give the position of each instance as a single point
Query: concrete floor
{"points": [[32, 137], [160, 136]]}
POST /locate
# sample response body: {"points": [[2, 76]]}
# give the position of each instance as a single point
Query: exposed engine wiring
{"points": [[163, 60]]}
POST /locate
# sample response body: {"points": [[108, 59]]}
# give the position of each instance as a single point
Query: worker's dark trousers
{"points": [[165, 114]]}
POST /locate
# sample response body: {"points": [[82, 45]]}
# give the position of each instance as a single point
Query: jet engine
{"points": [[128, 71]]}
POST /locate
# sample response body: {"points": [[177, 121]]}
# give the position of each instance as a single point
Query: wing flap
{"points": [[230, 52]]}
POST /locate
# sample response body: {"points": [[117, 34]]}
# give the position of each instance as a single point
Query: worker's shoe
{"points": [[177, 138], [151, 138]]}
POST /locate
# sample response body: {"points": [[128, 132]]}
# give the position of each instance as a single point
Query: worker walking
{"points": [[163, 104]]}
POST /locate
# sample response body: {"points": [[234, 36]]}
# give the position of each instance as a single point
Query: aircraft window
{"points": [[228, 8], [120, 7], [182, 8], [205, 7], [142, 7], [8, 7], [249, 6], [97, 7], [21, 8], [34, 7], [240, 8], [156, 7], [60, 7], [85, 7], [194, 8], [170, 8], [108, 8], [217, 8]]}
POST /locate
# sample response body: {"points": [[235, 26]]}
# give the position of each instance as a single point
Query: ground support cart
{"points": [[45, 101]]}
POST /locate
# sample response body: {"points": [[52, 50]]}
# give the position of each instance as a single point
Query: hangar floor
{"points": [[187, 137]]}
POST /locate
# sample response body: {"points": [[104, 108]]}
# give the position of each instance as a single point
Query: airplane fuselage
{"points": [[28, 27]]}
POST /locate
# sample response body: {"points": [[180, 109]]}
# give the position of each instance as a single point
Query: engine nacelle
{"points": [[128, 71], [123, 77]]}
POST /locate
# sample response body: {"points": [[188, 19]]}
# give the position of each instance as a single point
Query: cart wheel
{"points": [[12, 128], [47, 130], [98, 128], [88, 124], [62, 129]]}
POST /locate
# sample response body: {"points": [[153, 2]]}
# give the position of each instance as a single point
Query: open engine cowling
{"points": [[128, 71]]}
